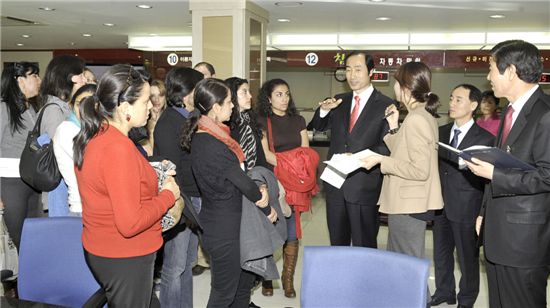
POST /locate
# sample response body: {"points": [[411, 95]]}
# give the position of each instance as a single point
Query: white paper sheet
{"points": [[340, 165], [347, 163], [333, 177]]}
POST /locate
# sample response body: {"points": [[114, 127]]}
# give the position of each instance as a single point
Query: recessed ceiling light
{"points": [[108, 24], [497, 16], [86, 34], [153, 34], [383, 18], [46, 8], [72, 43], [25, 36], [144, 6], [377, 0], [289, 4], [20, 44], [283, 20]]}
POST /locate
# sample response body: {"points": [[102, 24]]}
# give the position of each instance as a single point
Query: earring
{"points": [[128, 118]]}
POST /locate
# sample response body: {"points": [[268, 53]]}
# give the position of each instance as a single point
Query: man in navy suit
{"points": [[516, 206], [454, 225], [356, 120]]}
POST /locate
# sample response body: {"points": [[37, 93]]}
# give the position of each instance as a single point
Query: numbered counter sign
{"points": [[172, 59], [312, 59]]}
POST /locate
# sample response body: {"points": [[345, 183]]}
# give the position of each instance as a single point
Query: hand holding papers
{"points": [[495, 156], [340, 165]]}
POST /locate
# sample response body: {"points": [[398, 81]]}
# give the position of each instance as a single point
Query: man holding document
{"points": [[516, 206], [356, 120], [462, 191]]}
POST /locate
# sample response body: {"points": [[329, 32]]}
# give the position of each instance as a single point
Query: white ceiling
{"points": [[63, 28]]}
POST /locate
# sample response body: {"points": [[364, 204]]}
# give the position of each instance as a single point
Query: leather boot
{"points": [[267, 288], [290, 256]]}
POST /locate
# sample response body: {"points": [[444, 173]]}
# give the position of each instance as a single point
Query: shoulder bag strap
{"points": [[36, 128], [270, 135]]}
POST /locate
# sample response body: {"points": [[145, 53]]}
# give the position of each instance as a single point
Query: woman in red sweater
{"points": [[121, 203]]}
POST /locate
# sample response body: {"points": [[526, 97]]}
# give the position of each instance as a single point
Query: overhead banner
{"points": [[452, 59]]}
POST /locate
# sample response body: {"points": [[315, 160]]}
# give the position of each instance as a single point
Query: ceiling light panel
{"points": [[531, 37], [160, 43], [374, 39], [304, 39], [447, 38]]}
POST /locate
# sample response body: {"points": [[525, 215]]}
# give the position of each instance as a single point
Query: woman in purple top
{"points": [[489, 119]]}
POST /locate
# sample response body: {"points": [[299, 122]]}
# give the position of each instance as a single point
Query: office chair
{"points": [[52, 268], [362, 277]]}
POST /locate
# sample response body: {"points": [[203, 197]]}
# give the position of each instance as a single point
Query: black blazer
{"points": [[462, 190], [517, 203], [167, 137], [361, 186]]}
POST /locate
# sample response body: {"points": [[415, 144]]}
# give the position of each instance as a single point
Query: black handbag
{"points": [[38, 166]]}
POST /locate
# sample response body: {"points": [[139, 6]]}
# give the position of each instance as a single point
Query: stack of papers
{"points": [[340, 165]]}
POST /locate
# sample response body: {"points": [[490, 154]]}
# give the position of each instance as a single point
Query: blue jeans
{"points": [[176, 285], [58, 201], [291, 227]]}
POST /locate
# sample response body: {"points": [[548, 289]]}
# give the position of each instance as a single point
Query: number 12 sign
{"points": [[312, 59]]}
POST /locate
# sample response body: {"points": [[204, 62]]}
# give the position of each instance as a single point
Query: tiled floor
{"points": [[315, 233]]}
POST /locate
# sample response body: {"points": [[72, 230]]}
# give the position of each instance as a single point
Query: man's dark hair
{"points": [[475, 93], [523, 55], [208, 66], [369, 60]]}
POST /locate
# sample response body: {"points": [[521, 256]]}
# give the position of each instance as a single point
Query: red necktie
{"points": [[354, 113], [507, 124]]}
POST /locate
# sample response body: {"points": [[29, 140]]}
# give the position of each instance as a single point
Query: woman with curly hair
{"points": [[284, 131]]}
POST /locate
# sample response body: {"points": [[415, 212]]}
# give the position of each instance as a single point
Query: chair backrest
{"points": [[362, 277], [52, 268]]}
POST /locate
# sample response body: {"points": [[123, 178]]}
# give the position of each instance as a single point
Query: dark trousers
{"points": [[230, 285], [351, 222], [449, 235], [516, 287], [20, 201], [128, 282]]}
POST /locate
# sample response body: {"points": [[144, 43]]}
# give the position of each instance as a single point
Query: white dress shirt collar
{"points": [[363, 98], [463, 130], [520, 102]]}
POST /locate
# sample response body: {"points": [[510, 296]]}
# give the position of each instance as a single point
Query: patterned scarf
{"points": [[247, 140], [221, 132]]}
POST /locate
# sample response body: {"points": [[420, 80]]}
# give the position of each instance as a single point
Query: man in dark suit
{"points": [[516, 206], [356, 120], [454, 225]]}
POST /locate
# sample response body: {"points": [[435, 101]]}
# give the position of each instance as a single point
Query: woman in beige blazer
{"points": [[411, 187]]}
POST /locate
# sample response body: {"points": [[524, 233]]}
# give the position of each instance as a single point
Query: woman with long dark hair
{"points": [[243, 123], [20, 83], [122, 205], [180, 247], [285, 141], [218, 167], [64, 75]]}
